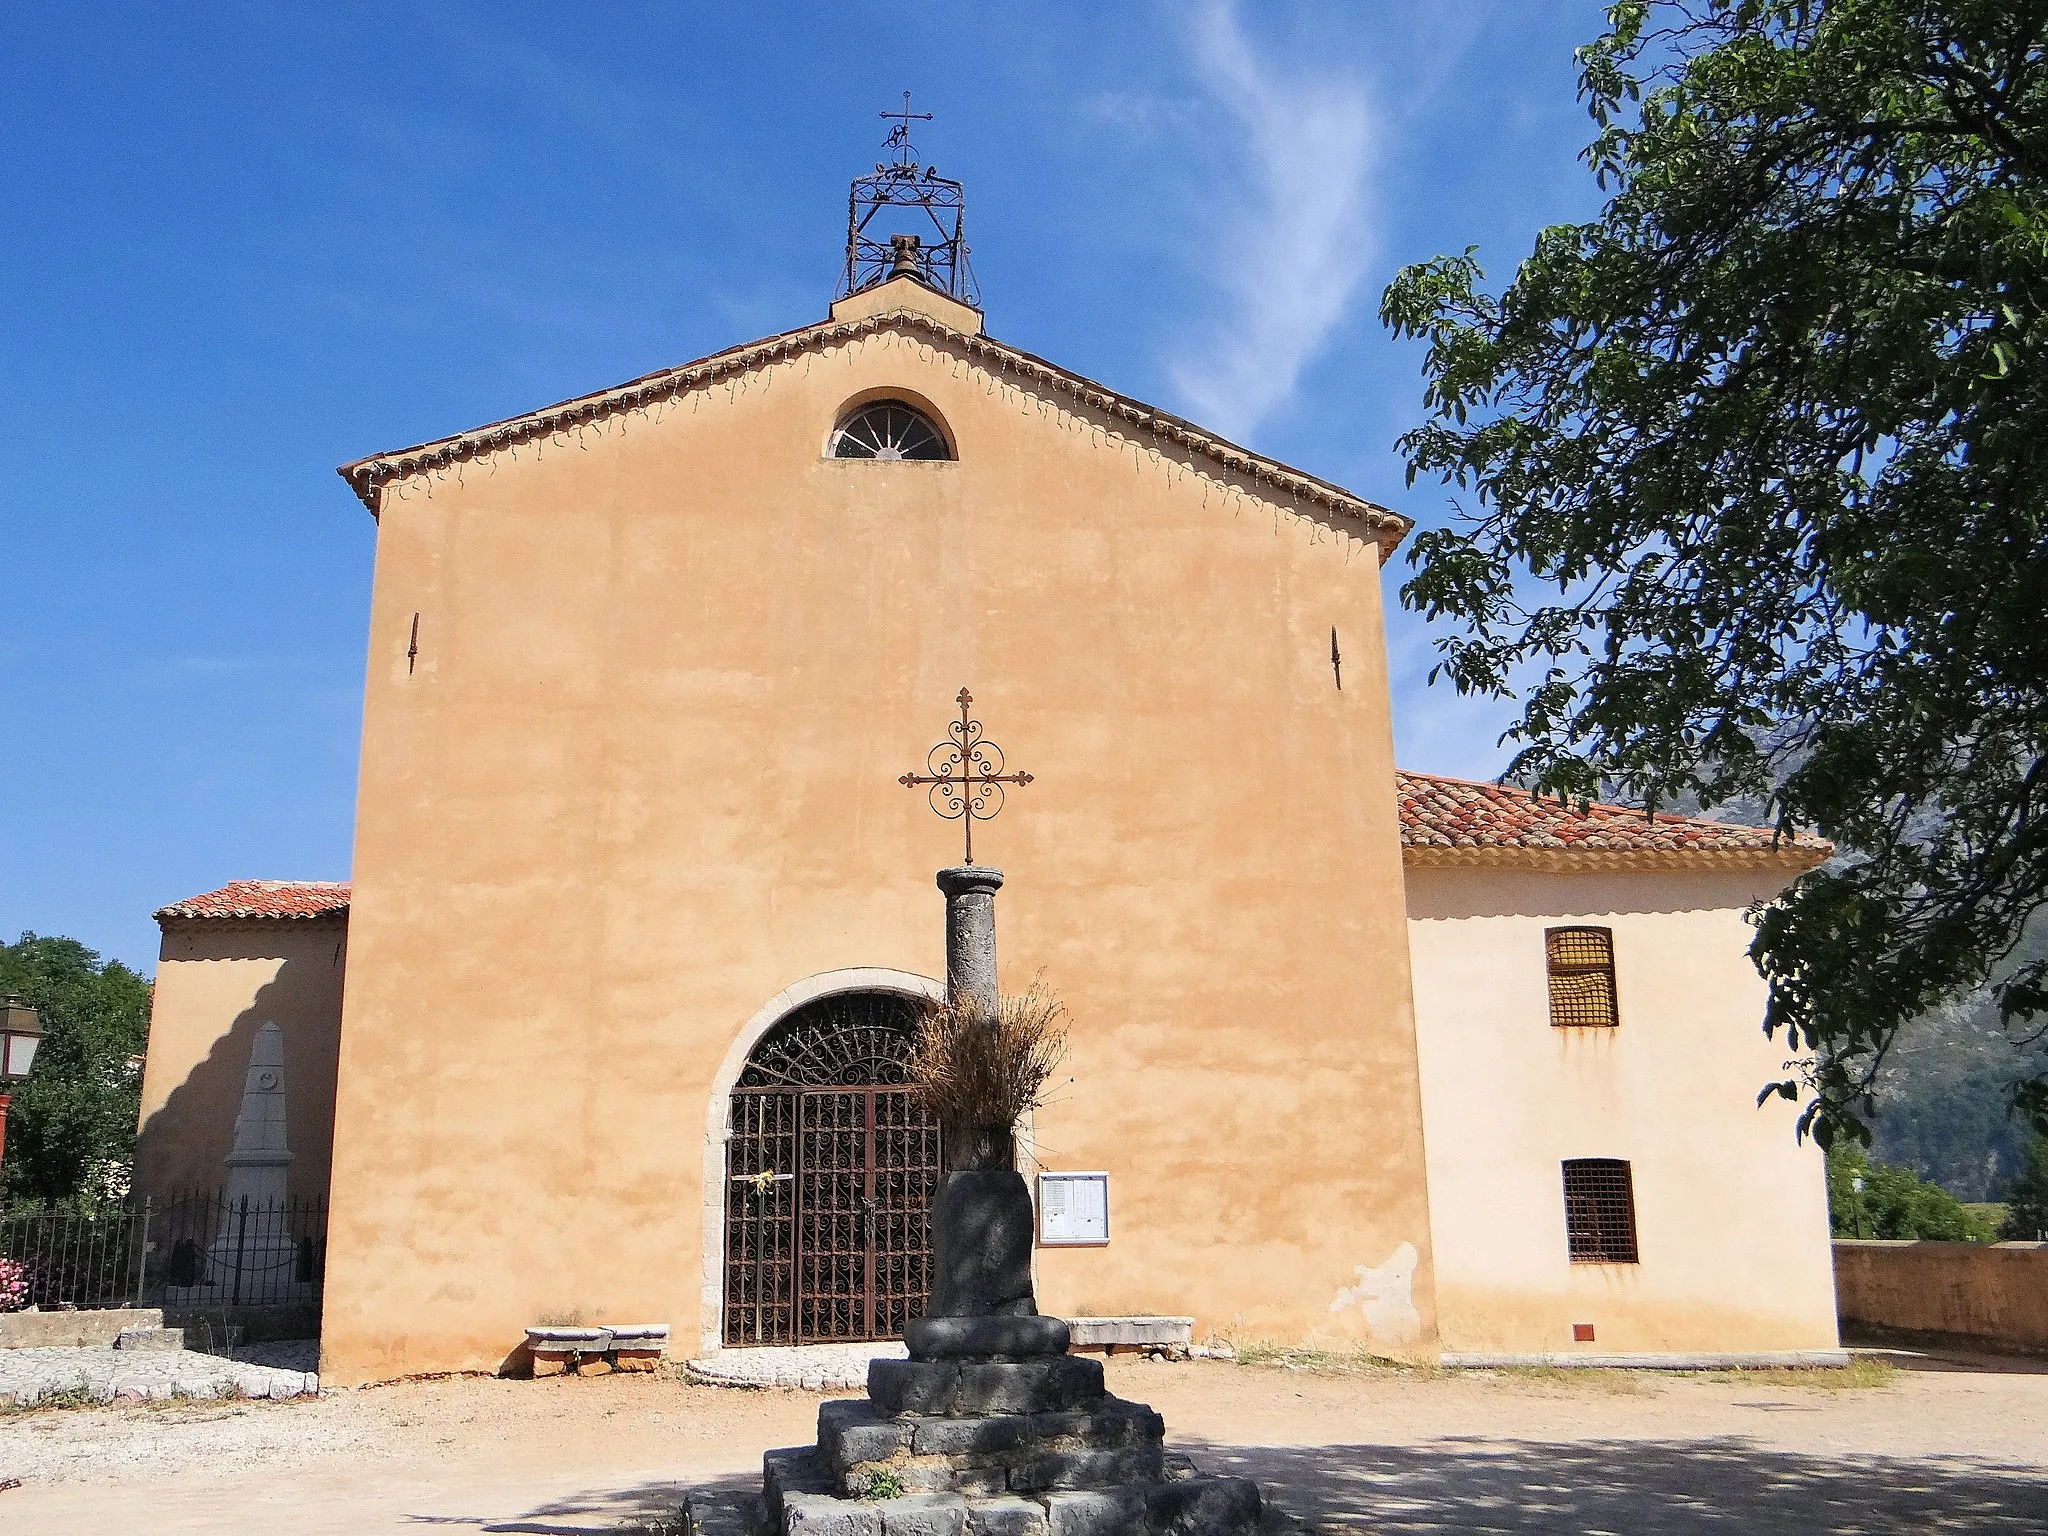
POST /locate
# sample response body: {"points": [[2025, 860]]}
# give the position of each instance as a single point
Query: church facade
{"points": [[641, 914]]}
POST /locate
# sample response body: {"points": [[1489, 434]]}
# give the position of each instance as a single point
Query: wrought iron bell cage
{"points": [[924, 211]]}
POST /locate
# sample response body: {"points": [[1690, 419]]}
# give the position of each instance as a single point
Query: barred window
{"points": [[1581, 976], [1599, 1211]]}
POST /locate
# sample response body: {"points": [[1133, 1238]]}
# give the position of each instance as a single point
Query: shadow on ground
{"points": [[1915, 1352], [721, 1506], [1627, 1487], [1632, 1487]]}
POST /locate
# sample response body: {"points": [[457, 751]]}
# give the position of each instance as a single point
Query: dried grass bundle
{"points": [[970, 1069]]}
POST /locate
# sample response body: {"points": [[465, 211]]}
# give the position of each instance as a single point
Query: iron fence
{"points": [[200, 1249], [71, 1259]]}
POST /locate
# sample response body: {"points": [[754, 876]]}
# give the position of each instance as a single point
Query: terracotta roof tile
{"points": [[1443, 821], [265, 898], [1460, 821]]}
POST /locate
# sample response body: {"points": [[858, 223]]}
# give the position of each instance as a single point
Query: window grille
{"points": [[889, 429], [1581, 977], [1599, 1211]]}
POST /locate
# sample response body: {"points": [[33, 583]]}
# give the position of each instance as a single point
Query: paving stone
{"points": [[1033, 1386], [1006, 1517], [835, 1367], [1115, 1422], [791, 1469], [917, 1386], [999, 1338], [1089, 1468], [852, 1430], [1100, 1512], [164, 1340], [932, 1474], [969, 1437], [102, 1372], [820, 1514], [1205, 1506], [924, 1514]]}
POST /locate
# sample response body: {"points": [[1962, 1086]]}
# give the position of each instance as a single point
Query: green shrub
{"points": [[1895, 1203]]}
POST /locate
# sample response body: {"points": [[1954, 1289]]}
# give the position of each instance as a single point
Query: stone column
{"points": [[971, 932]]}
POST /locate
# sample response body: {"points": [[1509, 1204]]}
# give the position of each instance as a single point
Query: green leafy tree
{"points": [[1753, 472], [2026, 1197], [1867, 1199], [71, 1130]]}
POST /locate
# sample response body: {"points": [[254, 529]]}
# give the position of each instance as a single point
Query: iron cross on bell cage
{"points": [[965, 774]]}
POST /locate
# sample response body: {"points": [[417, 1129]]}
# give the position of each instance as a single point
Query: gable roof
{"points": [[1449, 823], [367, 476], [264, 898]]}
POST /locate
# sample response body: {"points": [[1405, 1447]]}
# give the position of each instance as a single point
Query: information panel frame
{"points": [[1073, 1210]]}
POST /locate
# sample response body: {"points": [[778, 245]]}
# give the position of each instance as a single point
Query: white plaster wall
{"points": [[1731, 1212]]}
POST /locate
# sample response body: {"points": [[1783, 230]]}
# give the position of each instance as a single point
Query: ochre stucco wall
{"points": [[218, 981], [641, 777], [1731, 1211], [1994, 1295]]}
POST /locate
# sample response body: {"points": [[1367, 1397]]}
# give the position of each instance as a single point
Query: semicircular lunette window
{"points": [[888, 429]]}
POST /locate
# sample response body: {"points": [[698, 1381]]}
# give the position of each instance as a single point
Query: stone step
{"points": [[965, 1389], [158, 1340], [986, 1338], [1112, 1443], [798, 1505]]}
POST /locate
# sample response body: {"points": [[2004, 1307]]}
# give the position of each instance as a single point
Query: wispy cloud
{"points": [[1292, 233]]}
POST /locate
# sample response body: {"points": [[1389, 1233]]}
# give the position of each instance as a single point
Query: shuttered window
{"points": [[1581, 964]]}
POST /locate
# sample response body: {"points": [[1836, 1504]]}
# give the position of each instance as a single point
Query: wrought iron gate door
{"points": [[828, 1186]]}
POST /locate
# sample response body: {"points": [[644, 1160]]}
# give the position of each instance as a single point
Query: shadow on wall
{"points": [[1459, 893], [185, 1143], [1643, 1487]]}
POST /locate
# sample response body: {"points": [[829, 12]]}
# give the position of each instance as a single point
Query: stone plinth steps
{"points": [[990, 1428], [999, 1441]]}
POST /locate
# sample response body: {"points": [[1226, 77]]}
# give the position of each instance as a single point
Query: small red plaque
{"points": [[1582, 1333]]}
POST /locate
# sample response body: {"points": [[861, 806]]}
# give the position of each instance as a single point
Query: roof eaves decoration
{"points": [[1787, 857], [295, 900], [1451, 823], [368, 476]]}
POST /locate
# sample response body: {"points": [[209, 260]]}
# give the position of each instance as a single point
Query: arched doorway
{"points": [[830, 1170]]}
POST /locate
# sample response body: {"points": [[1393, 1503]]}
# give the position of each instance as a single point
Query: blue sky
{"points": [[240, 245]]}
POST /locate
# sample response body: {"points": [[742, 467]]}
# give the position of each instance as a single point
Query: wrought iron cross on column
{"points": [[966, 776]]}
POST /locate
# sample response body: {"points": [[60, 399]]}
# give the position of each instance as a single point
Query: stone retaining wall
{"points": [[1992, 1296], [247, 1324], [59, 1330]]}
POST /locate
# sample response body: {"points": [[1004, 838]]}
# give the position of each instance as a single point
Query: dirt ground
{"points": [[1939, 1445]]}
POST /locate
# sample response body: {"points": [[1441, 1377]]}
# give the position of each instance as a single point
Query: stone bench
{"points": [[1168, 1336], [557, 1351]]}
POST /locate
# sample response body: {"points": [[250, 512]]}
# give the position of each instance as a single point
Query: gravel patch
{"points": [[810, 1368], [27, 1376]]}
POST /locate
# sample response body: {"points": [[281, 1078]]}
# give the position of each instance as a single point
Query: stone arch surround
{"points": [[711, 1311]]}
